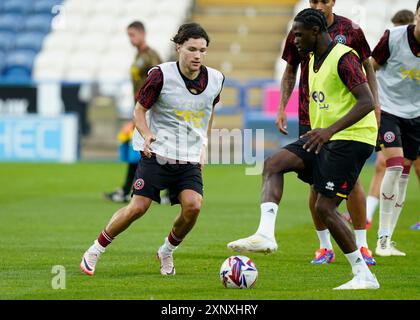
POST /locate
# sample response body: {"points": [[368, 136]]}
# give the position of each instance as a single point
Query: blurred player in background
{"points": [[180, 98], [145, 59], [401, 18], [397, 59], [344, 31]]}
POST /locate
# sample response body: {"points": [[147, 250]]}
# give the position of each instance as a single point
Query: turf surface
{"points": [[50, 213]]}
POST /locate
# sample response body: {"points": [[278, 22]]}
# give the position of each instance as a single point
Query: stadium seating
{"points": [[16, 6], [11, 22], [81, 37], [6, 40], [45, 6], [38, 22], [29, 41], [18, 64], [2, 60], [50, 66], [92, 37], [373, 16], [23, 27]]}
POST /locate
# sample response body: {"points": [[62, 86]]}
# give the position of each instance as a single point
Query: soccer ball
{"points": [[238, 272]]}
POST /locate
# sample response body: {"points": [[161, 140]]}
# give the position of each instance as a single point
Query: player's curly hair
{"points": [[311, 18], [188, 31]]}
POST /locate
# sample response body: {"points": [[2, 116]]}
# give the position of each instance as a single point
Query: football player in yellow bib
{"points": [[332, 154]]}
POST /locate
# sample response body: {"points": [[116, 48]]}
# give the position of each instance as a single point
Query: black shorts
{"points": [[308, 158], [335, 170], [400, 133], [338, 166], [152, 177], [303, 128]]}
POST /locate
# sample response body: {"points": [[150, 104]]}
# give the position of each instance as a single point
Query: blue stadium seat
{"points": [[11, 22], [17, 6], [2, 60], [7, 40], [45, 6], [38, 22], [30, 41], [23, 59], [16, 74]]}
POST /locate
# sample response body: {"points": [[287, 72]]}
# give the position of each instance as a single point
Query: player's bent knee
{"points": [[192, 208], [323, 209], [320, 209], [270, 166], [137, 209]]}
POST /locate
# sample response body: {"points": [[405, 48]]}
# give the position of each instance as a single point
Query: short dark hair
{"points": [[312, 18], [418, 5], [137, 25], [403, 17], [190, 30]]}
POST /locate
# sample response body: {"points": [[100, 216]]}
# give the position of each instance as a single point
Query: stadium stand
{"points": [[92, 33], [246, 35], [54, 29], [86, 41], [373, 16], [24, 25]]}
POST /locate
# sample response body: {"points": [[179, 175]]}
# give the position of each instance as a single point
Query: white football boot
{"points": [[167, 267], [254, 243], [359, 282], [385, 248], [395, 251], [89, 260]]}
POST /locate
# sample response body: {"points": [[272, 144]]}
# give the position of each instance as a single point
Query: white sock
{"points": [[361, 238], [97, 248], [358, 264], [168, 247], [388, 198], [400, 201], [324, 239], [268, 219], [371, 205]]}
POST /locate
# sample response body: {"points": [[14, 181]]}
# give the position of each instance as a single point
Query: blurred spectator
{"points": [[145, 59]]}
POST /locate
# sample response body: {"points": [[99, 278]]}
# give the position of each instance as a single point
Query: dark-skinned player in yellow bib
{"points": [[343, 136]]}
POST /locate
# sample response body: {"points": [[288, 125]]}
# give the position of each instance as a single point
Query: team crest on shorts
{"points": [[138, 184], [389, 136]]}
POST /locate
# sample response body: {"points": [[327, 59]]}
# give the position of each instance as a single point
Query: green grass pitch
{"points": [[50, 213]]}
